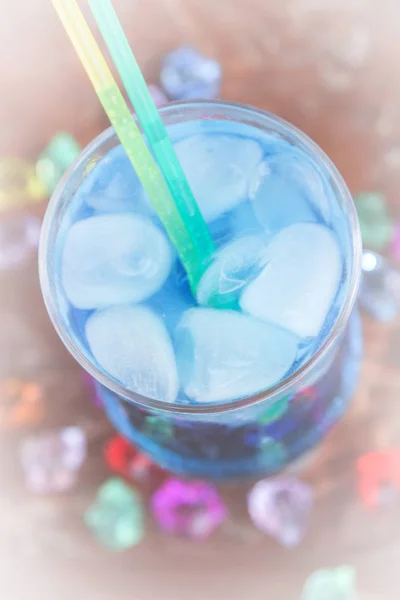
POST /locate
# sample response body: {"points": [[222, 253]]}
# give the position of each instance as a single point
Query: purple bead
{"points": [[192, 509], [19, 236], [187, 74], [159, 98], [281, 507], [379, 293], [51, 460]]}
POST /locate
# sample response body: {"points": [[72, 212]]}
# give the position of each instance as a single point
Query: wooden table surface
{"points": [[331, 68]]}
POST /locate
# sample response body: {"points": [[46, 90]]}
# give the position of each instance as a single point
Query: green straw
{"points": [[126, 129], [152, 126]]}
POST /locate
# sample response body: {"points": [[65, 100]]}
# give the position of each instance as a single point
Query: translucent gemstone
{"points": [[331, 584], [21, 403], [192, 509], [116, 516], [274, 410], [379, 293], [19, 183], [375, 222], [281, 507], [395, 243], [56, 159], [51, 460], [187, 74], [379, 477], [159, 98], [19, 236], [126, 460]]}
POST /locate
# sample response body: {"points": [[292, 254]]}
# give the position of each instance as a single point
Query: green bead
{"points": [[273, 453], [56, 159], [275, 411], [376, 224], [331, 584], [158, 428], [116, 517]]}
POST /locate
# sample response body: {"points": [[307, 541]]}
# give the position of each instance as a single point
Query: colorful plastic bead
{"points": [[19, 236], [274, 411], [379, 477], [158, 428], [51, 460], [56, 159], [379, 293], [159, 98], [281, 507], [187, 74], [21, 403], [192, 509], [375, 222], [116, 517], [331, 584], [395, 243], [126, 460], [19, 183]]}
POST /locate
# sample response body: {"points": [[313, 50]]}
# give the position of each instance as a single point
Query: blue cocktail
{"points": [[253, 370]]}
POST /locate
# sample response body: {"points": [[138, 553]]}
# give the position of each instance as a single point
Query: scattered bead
{"points": [[379, 477], [19, 236], [51, 460], [187, 74], [379, 293], [158, 428], [159, 98], [116, 516], [21, 403], [281, 507], [56, 159], [274, 411], [126, 460], [192, 509], [331, 584], [19, 183], [375, 222], [395, 243]]}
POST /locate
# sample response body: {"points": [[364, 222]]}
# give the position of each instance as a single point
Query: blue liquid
{"points": [[259, 439]]}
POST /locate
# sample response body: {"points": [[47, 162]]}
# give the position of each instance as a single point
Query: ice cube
{"points": [[131, 344], [219, 169], [224, 355], [286, 190], [114, 259], [113, 186], [233, 266], [297, 286]]}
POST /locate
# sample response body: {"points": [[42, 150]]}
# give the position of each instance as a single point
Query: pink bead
{"points": [[192, 509], [281, 507]]}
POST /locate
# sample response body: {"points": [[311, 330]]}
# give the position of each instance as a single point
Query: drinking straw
{"points": [[152, 125], [192, 257]]}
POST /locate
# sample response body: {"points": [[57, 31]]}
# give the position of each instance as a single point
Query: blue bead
{"points": [[187, 74]]}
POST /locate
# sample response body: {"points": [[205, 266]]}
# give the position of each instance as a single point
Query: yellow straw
{"points": [[126, 129]]}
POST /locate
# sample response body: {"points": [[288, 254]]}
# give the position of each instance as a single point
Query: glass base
{"points": [[253, 446]]}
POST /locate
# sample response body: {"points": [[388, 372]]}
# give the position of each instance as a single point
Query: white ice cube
{"points": [[233, 266], [299, 282], [112, 186], [114, 259], [224, 355], [288, 189], [219, 169], [131, 343]]}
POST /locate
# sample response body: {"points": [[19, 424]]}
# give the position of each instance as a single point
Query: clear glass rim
{"points": [[284, 386]]}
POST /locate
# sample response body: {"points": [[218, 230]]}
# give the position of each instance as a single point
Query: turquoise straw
{"points": [[154, 129]]}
